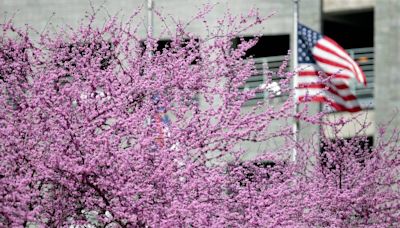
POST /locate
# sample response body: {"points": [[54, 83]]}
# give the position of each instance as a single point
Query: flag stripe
{"points": [[349, 103], [334, 105], [310, 73], [333, 70], [345, 94], [322, 86]]}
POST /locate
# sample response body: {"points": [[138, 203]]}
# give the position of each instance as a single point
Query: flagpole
{"points": [[295, 79], [150, 22], [150, 17], [320, 106]]}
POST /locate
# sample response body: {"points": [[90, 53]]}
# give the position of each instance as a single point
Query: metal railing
{"points": [[363, 56]]}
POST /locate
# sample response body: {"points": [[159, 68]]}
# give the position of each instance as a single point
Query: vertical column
{"points": [[387, 61]]}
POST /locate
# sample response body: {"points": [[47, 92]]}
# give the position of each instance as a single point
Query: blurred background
{"points": [[368, 29]]}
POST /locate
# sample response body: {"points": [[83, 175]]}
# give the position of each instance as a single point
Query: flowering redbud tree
{"points": [[84, 140], [352, 184]]}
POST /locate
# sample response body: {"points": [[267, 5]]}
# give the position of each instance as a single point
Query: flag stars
{"points": [[307, 39]]}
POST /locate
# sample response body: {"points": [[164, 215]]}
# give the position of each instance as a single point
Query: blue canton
{"points": [[307, 39]]}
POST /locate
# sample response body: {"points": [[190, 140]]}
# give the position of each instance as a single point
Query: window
{"points": [[163, 44], [274, 45], [69, 59], [351, 29], [270, 51], [258, 172], [340, 157]]}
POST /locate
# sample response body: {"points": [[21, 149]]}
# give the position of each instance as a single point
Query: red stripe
{"points": [[336, 106], [322, 86], [308, 73], [315, 73], [159, 125]]}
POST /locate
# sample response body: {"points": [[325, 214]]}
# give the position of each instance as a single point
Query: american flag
{"points": [[319, 57], [161, 122]]}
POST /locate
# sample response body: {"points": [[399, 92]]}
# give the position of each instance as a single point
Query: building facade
{"points": [[368, 29]]}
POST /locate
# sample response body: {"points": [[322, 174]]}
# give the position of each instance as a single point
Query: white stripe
{"points": [[335, 70], [342, 92], [309, 67], [317, 79], [309, 79]]}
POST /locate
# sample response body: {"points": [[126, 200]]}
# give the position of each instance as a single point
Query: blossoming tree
{"points": [[82, 143]]}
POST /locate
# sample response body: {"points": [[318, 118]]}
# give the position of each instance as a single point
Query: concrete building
{"points": [[369, 29]]}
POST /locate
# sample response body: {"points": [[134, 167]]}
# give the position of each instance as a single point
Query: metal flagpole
{"points": [[321, 105], [295, 78], [150, 17], [150, 22]]}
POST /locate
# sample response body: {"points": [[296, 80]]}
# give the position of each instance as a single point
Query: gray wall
{"points": [[51, 14], [387, 61], [343, 5], [40, 12]]}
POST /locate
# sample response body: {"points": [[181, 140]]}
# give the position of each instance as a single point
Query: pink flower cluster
{"points": [[79, 145]]}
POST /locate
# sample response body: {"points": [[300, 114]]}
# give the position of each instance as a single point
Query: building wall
{"points": [[362, 118], [51, 14], [387, 61], [39, 13], [345, 5]]}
